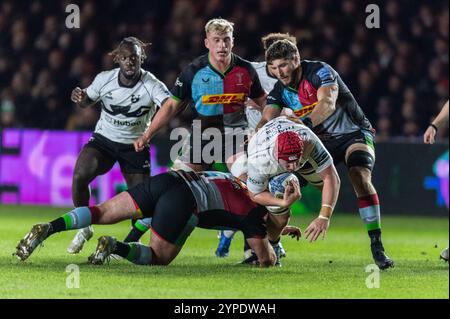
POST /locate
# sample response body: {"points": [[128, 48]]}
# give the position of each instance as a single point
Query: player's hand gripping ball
{"points": [[277, 185]]}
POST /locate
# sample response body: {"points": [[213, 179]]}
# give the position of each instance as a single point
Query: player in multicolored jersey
{"points": [[319, 97], [217, 85], [129, 97], [283, 145], [253, 113], [209, 200], [268, 81]]}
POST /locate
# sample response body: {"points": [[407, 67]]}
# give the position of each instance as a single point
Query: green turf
{"points": [[334, 268]]}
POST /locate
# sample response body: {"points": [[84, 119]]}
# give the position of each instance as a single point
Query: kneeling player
{"points": [[206, 200]]}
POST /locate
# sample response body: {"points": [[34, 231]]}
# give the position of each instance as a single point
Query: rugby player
{"points": [[207, 200], [129, 97], [253, 114], [429, 138], [217, 84], [319, 97], [283, 145]]}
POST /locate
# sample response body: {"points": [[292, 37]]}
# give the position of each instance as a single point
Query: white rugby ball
{"points": [[277, 185]]}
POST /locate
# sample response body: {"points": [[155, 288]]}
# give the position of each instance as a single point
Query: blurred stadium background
{"points": [[398, 73]]}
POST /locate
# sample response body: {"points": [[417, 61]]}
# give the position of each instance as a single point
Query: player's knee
{"points": [[80, 179], [361, 159]]}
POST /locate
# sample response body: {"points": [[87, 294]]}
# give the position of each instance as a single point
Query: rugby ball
{"points": [[277, 185]]}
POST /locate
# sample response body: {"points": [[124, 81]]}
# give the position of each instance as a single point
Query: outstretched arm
{"points": [[270, 112], [162, 118], [430, 133], [330, 192]]}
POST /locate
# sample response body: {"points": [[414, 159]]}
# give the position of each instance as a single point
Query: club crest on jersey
{"points": [[135, 98], [223, 98]]}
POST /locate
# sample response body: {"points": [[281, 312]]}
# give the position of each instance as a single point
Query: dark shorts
{"points": [[169, 201], [130, 161], [338, 146]]}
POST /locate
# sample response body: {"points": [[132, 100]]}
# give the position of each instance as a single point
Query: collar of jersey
{"points": [[226, 71]]}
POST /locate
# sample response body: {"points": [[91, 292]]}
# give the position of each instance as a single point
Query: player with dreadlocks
{"points": [[129, 97]]}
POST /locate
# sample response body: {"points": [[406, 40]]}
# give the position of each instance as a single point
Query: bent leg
{"points": [[90, 164]]}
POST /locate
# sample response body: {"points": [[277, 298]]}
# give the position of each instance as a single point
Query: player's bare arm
{"points": [[430, 133], [326, 104], [291, 194], [270, 112], [330, 193], [258, 103], [162, 118], [80, 97]]}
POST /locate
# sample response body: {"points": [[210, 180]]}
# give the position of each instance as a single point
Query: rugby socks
{"points": [[369, 210], [135, 252], [80, 217], [140, 227]]}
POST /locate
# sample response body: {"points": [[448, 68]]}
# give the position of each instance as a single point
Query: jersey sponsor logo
{"points": [[305, 110], [223, 98], [125, 110], [178, 82], [125, 123], [135, 98]]}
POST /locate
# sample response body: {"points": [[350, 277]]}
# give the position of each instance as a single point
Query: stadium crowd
{"points": [[399, 72]]}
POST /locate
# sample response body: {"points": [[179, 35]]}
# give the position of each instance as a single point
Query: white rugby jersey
{"points": [[262, 164], [126, 111], [267, 83]]}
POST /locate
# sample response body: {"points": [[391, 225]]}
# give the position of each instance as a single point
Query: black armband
{"points": [[434, 126]]}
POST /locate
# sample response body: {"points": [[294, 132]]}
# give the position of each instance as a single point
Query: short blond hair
{"points": [[219, 25]]}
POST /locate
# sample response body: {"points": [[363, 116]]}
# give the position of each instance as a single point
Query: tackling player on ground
{"points": [[208, 200], [319, 97], [129, 97]]}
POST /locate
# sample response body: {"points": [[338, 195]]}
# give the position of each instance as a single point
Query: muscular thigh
{"points": [[92, 162]]}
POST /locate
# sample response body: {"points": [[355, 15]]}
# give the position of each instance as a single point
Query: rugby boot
{"points": [[380, 258], [277, 248], [251, 259], [282, 251], [34, 238], [82, 236], [105, 246]]}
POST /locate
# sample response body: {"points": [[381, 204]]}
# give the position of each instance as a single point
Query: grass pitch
{"points": [[334, 268]]}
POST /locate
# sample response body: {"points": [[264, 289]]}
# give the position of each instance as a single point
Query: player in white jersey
{"points": [[253, 114], [129, 97], [283, 145]]}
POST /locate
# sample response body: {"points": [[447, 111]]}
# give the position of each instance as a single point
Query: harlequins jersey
{"points": [[302, 99], [218, 98]]}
